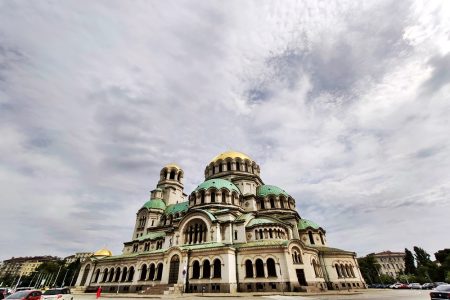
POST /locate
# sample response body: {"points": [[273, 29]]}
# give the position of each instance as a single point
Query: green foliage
{"points": [[443, 256], [421, 256], [387, 279], [410, 268], [369, 268]]}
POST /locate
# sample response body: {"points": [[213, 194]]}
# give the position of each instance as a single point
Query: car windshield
{"points": [[443, 288], [52, 292], [18, 295]]}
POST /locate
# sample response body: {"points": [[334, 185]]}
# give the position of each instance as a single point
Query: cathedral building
{"points": [[233, 233]]}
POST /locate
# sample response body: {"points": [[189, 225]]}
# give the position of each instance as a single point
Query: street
{"points": [[366, 295]]}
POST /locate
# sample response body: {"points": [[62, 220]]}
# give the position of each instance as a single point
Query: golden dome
{"points": [[103, 252], [231, 154], [174, 166]]}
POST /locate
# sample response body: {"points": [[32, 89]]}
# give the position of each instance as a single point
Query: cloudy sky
{"points": [[345, 105]]}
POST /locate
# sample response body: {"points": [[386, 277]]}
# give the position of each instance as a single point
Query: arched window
{"points": [[172, 175], [213, 169], [261, 235], [228, 166], [311, 238], [213, 196], [321, 238], [351, 271], [143, 272], [151, 272], [111, 274], [344, 273], [206, 269], [271, 270], [196, 270], [246, 167], [338, 270], [131, 274], [259, 268], [224, 197], [248, 268], [117, 275], [97, 274], [160, 271], [256, 234], [195, 232], [217, 268], [262, 204], [220, 167], [202, 197], [105, 275], [238, 166], [85, 274], [270, 233], [272, 203], [296, 256], [232, 198], [124, 274], [179, 176], [282, 202]]}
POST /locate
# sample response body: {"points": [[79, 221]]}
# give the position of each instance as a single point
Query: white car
{"points": [[57, 294], [415, 285]]}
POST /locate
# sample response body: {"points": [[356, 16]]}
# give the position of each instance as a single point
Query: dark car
{"points": [[432, 285], [26, 295], [441, 292]]}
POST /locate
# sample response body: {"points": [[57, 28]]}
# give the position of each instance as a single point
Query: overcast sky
{"points": [[344, 105]]}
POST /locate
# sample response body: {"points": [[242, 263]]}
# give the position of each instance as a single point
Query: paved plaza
{"points": [[366, 295]]}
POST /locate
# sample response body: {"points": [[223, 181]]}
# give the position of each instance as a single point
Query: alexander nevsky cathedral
{"points": [[233, 233]]}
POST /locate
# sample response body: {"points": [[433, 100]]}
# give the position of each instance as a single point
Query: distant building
{"points": [[23, 266], [79, 255], [392, 263]]}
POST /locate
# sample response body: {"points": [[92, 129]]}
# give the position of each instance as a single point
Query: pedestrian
{"points": [[99, 292]]}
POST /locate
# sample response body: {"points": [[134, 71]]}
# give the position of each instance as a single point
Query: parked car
{"points": [[26, 295], [60, 294], [415, 286], [399, 285], [441, 292], [431, 285], [4, 292]]}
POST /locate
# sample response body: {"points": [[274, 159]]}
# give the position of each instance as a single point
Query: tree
{"points": [[422, 257], [369, 268], [410, 268]]}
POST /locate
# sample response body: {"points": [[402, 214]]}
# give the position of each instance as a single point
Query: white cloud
{"points": [[344, 105]]}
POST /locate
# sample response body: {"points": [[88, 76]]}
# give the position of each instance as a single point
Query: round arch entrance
{"points": [[174, 269]]}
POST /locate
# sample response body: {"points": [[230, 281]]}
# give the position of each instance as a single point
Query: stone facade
{"points": [[231, 234], [391, 263]]}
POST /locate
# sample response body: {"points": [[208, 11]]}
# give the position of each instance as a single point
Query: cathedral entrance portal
{"points": [[301, 277], [174, 269]]}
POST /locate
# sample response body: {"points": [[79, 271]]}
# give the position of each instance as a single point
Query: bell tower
{"points": [[170, 185]]}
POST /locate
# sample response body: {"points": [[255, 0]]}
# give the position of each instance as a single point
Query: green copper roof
{"points": [[265, 190], [177, 208], [261, 221], [151, 236], [244, 217], [303, 224], [155, 204], [218, 184]]}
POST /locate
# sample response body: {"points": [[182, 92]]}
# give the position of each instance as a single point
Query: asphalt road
{"points": [[364, 295]]}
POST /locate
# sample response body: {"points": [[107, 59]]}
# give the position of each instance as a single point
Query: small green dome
{"points": [[218, 184], [304, 224], [155, 204], [265, 190]]}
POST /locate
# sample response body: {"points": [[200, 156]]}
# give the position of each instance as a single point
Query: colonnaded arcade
{"points": [[233, 233]]}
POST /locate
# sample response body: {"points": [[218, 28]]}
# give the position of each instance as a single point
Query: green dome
{"points": [[218, 184], [304, 224], [265, 190], [155, 204]]}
